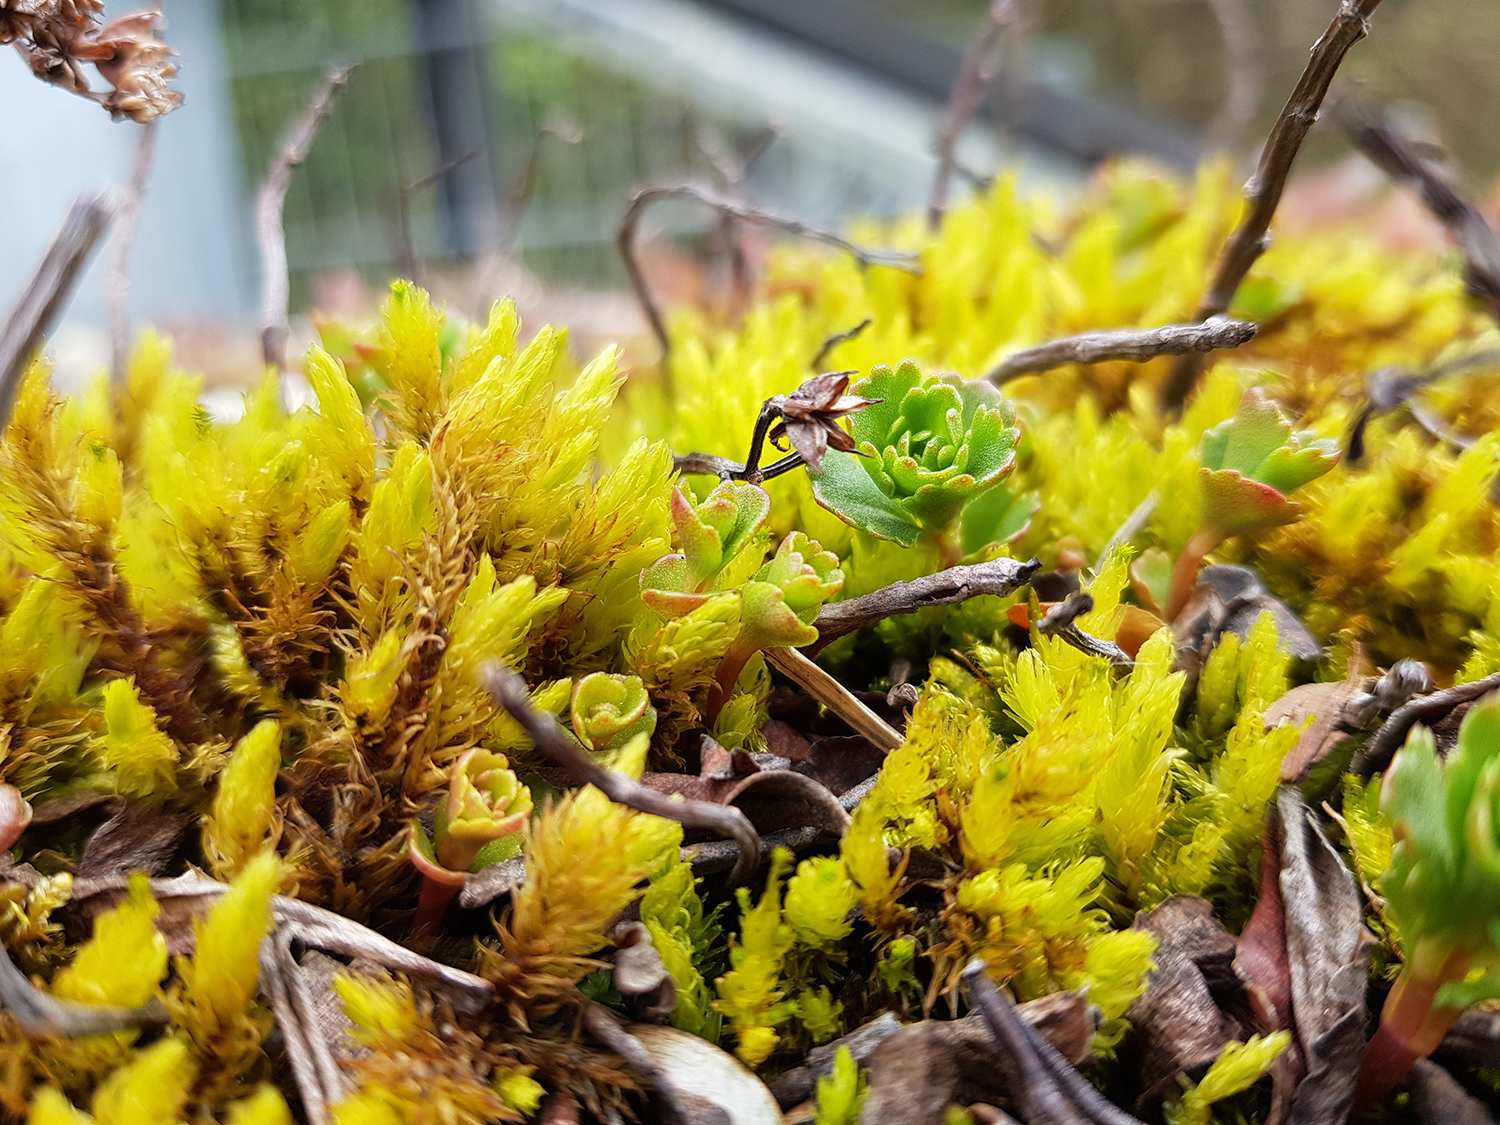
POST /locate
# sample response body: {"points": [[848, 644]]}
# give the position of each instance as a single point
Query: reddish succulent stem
{"points": [[724, 679], [1185, 572], [432, 906], [1411, 1028]]}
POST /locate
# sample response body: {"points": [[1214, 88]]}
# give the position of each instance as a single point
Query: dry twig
{"points": [[835, 696], [1135, 345], [41, 1014], [1000, 577], [407, 267], [838, 338], [1374, 756], [1061, 621], [974, 77], [275, 286], [1389, 151], [630, 224], [509, 690], [47, 292], [1245, 77], [1263, 190], [117, 288]]}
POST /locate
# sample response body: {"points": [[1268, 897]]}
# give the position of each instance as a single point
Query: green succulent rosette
{"points": [[480, 822], [712, 534], [924, 449], [779, 605], [609, 710], [1251, 462]]}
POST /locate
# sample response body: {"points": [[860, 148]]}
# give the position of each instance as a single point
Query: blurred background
{"points": [[491, 146]]}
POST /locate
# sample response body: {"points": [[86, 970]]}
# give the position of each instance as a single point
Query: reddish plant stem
{"points": [[432, 905], [1185, 572], [1411, 1028], [725, 678]]}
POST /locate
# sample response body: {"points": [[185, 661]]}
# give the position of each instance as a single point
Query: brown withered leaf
{"points": [[640, 976], [771, 799], [1328, 950], [810, 417], [138, 837], [1177, 1028], [1325, 704], [841, 763], [798, 1084]]}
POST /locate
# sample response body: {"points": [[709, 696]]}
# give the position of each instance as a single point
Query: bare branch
{"points": [[1245, 76], [47, 292], [839, 338], [974, 77], [1264, 188], [833, 695], [407, 267], [1132, 525], [1061, 621], [117, 287], [509, 690], [625, 238], [1135, 345], [42, 1014], [1000, 577], [275, 287], [1389, 151], [1375, 755]]}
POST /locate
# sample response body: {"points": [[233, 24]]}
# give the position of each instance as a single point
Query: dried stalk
{"points": [[1264, 188], [277, 991], [117, 287], [407, 267], [1132, 525], [1465, 225], [629, 225], [839, 338], [47, 292], [1245, 77], [1374, 756], [835, 696], [275, 286], [974, 77], [1135, 345], [1061, 621], [42, 1015], [509, 690], [999, 577]]}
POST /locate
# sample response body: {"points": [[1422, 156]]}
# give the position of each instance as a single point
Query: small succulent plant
{"points": [[609, 710], [1249, 465], [713, 534], [479, 824], [1442, 891], [778, 607], [925, 447]]}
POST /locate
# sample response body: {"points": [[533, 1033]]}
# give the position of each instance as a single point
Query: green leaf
{"points": [[997, 515], [1233, 504], [848, 491]]}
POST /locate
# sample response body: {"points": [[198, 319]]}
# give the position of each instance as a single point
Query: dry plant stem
{"points": [[1185, 570], [1135, 345], [509, 690], [275, 289], [41, 1014], [47, 292], [1245, 76], [835, 696], [1263, 191], [1062, 622], [1000, 577], [625, 238], [974, 78], [838, 338], [117, 288], [304, 1070], [1131, 527], [407, 267], [1376, 754]]}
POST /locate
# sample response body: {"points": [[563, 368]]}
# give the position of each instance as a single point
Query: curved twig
{"points": [[630, 224], [117, 288], [41, 1014], [1374, 756], [1135, 345], [275, 287], [47, 292], [974, 77], [509, 690], [1263, 191], [1061, 621], [1000, 577], [839, 338]]}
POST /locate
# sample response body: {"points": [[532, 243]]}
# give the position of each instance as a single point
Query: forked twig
{"points": [[1135, 345], [1263, 190], [509, 690], [999, 577], [630, 223], [1374, 756], [47, 292], [1061, 621], [117, 287], [407, 267], [41, 1014], [275, 286], [974, 77]]}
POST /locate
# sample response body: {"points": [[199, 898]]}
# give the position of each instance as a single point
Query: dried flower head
{"points": [[810, 417], [138, 67]]}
